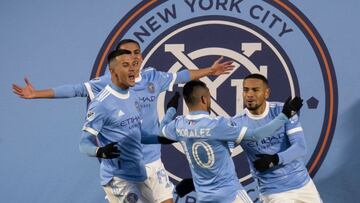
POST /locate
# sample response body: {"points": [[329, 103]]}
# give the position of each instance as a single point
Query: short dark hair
{"points": [[190, 90], [112, 55], [257, 76], [125, 41]]}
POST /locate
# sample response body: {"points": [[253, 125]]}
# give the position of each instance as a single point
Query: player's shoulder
{"points": [[275, 107], [180, 120], [148, 71], [220, 121], [151, 73], [239, 116], [102, 99], [101, 79], [148, 74]]}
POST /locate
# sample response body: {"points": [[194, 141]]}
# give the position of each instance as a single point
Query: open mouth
{"points": [[132, 78]]}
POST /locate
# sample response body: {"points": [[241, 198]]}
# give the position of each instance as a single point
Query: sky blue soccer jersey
{"points": [[114, 117], [288, 142], [148, 86], [205, 142]]}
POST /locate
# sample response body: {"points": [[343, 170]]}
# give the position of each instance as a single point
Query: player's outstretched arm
{"points": [[171, 108], [63, 91], [216, 69], [147, 138], [29, 92], [167, 127], [291, 107]]}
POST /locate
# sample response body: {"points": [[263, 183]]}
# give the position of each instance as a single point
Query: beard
{"points": [[252, 107]]}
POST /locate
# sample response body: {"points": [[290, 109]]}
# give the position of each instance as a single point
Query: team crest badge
{"points": [[151, 88]]}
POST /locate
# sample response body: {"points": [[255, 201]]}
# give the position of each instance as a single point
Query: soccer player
{"points": [[149, 84], [277, 162], [114, 120], [205, 142]]}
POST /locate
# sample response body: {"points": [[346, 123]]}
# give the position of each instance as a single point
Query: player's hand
{"points": [[292, 106], [184, 187], [218, 68], [109, 151], [27, 92], [266, 162], [174, 101]]}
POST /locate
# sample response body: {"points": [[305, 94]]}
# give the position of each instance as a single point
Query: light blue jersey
{"points": [[148, 87], [288, 142], [113, 117], [205, 142]]}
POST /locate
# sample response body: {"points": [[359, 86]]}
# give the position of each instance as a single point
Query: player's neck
{"points": [[119, 87], [197, 109], [118, 84]]}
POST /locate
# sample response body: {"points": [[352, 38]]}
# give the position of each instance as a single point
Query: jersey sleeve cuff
{"points": [[89, 90], [294, 130], [171, 85], [163, 134], [241, 135], [90, 130]]}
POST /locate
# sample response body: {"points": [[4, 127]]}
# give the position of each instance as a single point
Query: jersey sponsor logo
{"points": [[273, 38], [147, 99], [131, 122]]}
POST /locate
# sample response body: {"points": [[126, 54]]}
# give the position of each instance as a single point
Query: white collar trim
{"points": [[138, 79], [197, 116], [117, 94], [261, 116]]}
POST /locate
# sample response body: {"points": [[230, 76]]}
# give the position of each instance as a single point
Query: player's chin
{"points": [[131, 84], [251, 106]]}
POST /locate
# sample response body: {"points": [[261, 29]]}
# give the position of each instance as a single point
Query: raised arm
{"points": [[216, 69], [29, 92], [63, 91]]}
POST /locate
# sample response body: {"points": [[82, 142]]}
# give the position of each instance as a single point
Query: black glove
{"points": [[163, 140], [185, 187], [109, 151], [292, 106], [266, 162], [174, 101]]}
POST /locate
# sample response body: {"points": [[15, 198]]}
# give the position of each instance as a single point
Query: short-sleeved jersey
{"points": [[114, 117], [204, 140], [148, 87], [285, 176]]}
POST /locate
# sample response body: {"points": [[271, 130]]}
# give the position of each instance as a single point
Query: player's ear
{"points": [[111, 69], [203, 100], [267, 93]]}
